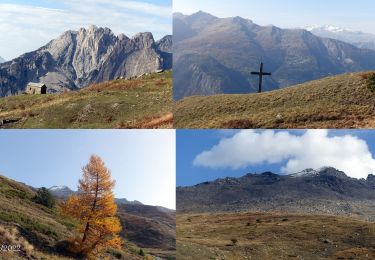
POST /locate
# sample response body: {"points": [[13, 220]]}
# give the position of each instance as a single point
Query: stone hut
{"points": [[36, 88]]}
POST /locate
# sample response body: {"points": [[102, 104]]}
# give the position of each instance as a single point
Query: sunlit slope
{"points": [[145, 102], [344, 101]]}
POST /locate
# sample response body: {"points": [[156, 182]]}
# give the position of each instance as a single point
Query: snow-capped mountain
{"points": [[60, 191], [64, 192], [357, 38], [321, 171], [2, 59]]}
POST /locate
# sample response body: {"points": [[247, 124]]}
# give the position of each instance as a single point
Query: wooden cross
{"points": [[261, 74]]}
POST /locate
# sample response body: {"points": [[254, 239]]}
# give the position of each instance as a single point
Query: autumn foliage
{"points": [[95, 208]]}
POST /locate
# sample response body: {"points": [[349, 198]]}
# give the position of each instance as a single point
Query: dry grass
{"points": [[165, 121], [41, 232], [11, 237], [273, 236], [343, 101], [114, 104]]}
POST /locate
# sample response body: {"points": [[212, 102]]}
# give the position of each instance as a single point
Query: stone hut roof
{"points": [[36, 85]]}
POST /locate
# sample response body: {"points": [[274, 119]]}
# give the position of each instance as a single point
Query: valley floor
{"points": [[233, 236]]}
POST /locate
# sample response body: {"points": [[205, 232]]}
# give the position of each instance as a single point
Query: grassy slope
{"points": [[138, 103], [273, 236], [153, 231], [343, 101], [41, 227]]}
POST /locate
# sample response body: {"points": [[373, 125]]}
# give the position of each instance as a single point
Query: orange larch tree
{"points": [[95, 208]]}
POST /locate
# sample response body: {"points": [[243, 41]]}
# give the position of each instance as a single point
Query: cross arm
{"points": [[267, 74], [255, 73]]}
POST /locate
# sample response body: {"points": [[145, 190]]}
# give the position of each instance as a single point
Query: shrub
{"points": [[141, 253], [234, 241], [44, 197], [370, 80]]}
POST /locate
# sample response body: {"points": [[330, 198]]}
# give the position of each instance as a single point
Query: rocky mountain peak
{"points": [[328, 171], [77, 59], [144, 40], [241, 20], [165, 43], [122, 37], [202, 14], [60, 191]]}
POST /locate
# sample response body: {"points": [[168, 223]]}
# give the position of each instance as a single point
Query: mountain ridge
{"points": [[63, 192], [324, 191], [357, 38], [76, 59], [216, 55]]}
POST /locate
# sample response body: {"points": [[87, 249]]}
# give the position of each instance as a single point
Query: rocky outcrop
{"points": [[79, 58]]}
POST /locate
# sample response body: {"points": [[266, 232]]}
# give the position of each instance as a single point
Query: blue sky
{"points": [[357, 15], [231, 153], [142, 161], [28, 25]]}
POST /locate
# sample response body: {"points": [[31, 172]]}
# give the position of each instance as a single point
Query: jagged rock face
{"points": [[164, 46], [325, 190], [79, 58], [216, 55]]}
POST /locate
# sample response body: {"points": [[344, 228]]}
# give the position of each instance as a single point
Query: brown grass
{"points": [[108, 105], [165, 121], [273, 236], [343, 101], [11, 237], [114, 85]]}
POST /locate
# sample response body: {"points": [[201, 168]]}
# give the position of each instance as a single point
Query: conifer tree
{"points": [[94, 207]]}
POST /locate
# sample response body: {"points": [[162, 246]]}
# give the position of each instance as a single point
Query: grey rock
{"points": [[79, 58], [322, 191]]}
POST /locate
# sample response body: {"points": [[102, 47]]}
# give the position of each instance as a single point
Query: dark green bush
{"points": [[44, 197], [370, 80]]}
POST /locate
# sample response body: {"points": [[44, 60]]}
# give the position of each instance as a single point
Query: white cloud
{"points": [[25, 28], [313, 149]]}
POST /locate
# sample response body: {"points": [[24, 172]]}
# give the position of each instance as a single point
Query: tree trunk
{"points": [[92, 209]]}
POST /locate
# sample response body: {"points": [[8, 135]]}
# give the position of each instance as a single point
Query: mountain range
{"points": [[323, 191], [63, 192], [357, 38], [79, 58], [214, 55], [2, 60]]}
